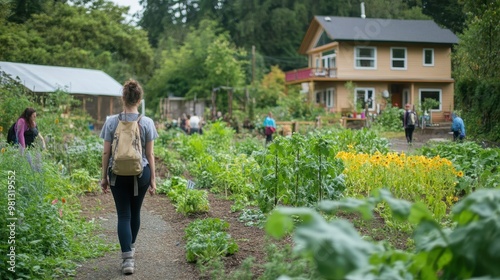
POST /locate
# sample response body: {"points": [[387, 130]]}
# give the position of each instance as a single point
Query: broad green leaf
{"points": [[419, 213], [365, 207], [278, 224]]}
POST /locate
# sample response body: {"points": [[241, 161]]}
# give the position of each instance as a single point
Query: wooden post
{"points": [[253, 64], [99, 101], [312, 98], [111, 99], [230, 101], [213, 103]]}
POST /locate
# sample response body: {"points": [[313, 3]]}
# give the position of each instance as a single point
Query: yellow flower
{"points": [[460, 174], [57, 121], [1, 128], [455, 199], [3, 149]]}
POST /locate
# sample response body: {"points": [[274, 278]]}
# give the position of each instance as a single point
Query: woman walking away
{"points": [[269, 127], [129, 191], [410, 121]]}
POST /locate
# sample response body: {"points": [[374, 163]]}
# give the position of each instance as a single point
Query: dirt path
{"points": [[160, 245], [159, 254], [420, 138]]}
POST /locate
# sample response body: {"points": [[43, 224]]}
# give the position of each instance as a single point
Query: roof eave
{"points": [[394, 41], [311, 31]]}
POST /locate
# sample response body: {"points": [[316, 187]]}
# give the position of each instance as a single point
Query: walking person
{"points": [[183, 122], [410, 121], [458, 127], [269, 127], [129, 191], [194, 124]]}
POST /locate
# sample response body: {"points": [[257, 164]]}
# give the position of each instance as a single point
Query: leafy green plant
{"points": [[339, 252], [49, 234], [84, 182], [207, 239], [301, 170], [186, 201], [389, 119], [194, 201], [252, 217], [479, 166]]}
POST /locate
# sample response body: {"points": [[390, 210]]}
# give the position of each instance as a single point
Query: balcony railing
{"points": [[308, 73]]}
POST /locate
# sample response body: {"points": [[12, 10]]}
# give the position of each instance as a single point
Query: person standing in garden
{"points": [[26, 130], [183, 122], [129, 191], [194, 124], [410, 121], [458, 127], [269, 127]]}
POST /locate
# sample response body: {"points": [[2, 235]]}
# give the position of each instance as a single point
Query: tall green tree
{"points": [[476, 67], [22, 10], [182, 71], [478, 53], [448, 13], [90, 35]]}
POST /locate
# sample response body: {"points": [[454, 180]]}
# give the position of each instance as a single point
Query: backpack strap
{"points": [[136, 178]]}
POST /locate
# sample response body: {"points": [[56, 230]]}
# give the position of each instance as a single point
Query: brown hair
{"points": [[26, 115], [132, 93]]}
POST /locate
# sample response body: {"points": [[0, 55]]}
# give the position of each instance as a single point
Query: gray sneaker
{"points": [[128, 266]]}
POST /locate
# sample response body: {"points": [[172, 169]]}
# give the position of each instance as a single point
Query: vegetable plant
{"points": [[207, 239]]}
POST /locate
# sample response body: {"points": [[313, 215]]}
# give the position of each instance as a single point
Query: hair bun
{"points": [[132, 85]]}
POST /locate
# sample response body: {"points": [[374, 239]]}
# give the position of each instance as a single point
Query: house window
{"points": [[323, 40], [329, 97], [434, 94], [365, 58], [325, 97], [365, 96], [398, 58], [329, 59], [428, 57]]}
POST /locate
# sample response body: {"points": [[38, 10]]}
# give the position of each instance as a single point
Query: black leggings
{"points": [[128, 206], [409, 133]]}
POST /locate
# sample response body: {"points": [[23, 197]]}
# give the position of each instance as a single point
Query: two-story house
{"points": [[380, 61]]}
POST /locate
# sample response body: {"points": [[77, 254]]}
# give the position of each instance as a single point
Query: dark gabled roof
{"points": [[381, 30], [44, 78]]}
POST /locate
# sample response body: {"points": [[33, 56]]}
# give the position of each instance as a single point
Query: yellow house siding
{"points": [[414, 63], [345, 99]]}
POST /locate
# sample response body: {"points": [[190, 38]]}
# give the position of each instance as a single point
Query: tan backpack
{"points": [[127, 148]]}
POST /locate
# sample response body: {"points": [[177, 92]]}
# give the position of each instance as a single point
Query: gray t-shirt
{"points": [[148, 131]]}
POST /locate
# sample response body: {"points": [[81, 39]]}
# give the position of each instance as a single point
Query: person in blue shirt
{"points": [[269, 127], [457, 127]]}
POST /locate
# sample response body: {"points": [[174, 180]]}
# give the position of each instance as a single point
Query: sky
{"points": [[134, 5]]}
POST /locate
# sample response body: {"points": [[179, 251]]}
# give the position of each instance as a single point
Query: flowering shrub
{"points": [[415, 178]]}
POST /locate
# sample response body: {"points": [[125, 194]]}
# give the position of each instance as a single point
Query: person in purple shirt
{"points": [[26, 129]]}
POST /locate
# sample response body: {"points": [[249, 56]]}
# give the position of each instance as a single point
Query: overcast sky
{"points": [[133, 4]]}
